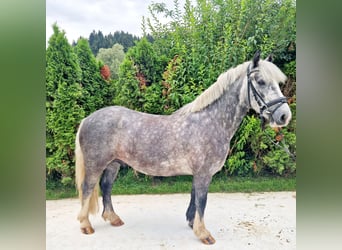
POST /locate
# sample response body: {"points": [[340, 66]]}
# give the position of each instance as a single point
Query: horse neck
{"points": [[231, 107]]}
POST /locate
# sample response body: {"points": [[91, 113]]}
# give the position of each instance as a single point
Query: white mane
{"points": [[215, 90], [268, 71]]}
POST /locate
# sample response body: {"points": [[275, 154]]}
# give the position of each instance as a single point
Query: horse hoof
{"points": [[117, 223], [87, 230], [209, 240]]}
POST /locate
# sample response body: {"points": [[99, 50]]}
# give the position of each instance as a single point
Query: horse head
{"points": [[264, 94]]}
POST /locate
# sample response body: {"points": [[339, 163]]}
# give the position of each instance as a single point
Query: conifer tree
{"points": [[95, 89], [63, 109], [138, 80]]}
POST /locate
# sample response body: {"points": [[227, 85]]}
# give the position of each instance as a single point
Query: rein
{"points": [[283, 146], [264, 106]]}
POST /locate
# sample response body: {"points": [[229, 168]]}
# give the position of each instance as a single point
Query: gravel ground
{"points": [[236, 220]]}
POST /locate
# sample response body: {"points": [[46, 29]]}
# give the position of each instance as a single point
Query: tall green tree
{"points": [[95, 90], [63, 106], [128, 92], [97, 41], [138, 85]]}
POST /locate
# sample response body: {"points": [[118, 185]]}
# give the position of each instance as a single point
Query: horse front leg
{"points": [[190, 213], [200, 187]]}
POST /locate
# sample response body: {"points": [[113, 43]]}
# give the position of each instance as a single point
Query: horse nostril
{"points": [[282, 119]]}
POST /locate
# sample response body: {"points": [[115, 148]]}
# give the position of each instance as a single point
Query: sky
{"points": [[80, 17]]}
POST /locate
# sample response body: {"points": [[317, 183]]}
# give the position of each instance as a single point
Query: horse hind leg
{"points": [[89, 199], [106, 184], [87, 186]]}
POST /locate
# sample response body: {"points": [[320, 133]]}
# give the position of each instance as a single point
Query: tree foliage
{"points": [[94, 87], [139, 76], [105, 72], [97, 40], [112, 57], [63, 106]]}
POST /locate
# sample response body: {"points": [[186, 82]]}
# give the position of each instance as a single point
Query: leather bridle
{"points": [[264, 106]]}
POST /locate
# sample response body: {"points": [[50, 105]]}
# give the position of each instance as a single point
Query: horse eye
{"points": [[261, 82]]}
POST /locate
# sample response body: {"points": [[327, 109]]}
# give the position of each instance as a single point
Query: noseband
{"points": [[264, 106]]}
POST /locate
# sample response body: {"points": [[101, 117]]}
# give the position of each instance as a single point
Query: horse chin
{"points": [[274, 124], [270, 121]]}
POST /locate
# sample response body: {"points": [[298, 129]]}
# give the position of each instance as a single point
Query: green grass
{"points": [[55, 191], [129, 183]]}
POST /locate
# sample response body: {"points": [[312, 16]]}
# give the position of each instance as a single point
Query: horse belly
{"points": [[162, 167]]}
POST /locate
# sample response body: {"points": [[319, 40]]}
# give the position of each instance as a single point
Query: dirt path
{"points": [[237, 221]]}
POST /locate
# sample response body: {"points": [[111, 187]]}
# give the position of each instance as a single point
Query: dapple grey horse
{"points": [[194, 140]]}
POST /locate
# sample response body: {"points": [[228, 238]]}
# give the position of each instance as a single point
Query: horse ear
{"points": [[269, 58], [256, 59]]}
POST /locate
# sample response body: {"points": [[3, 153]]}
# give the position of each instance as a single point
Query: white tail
{"points": [[80, 174]]}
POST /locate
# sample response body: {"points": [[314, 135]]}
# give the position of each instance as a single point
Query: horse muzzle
{"points": [[280, 117]]}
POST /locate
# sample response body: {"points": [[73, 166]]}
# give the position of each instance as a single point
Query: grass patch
{"points": [[250, 184], [130, 183], [56, 191]]}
